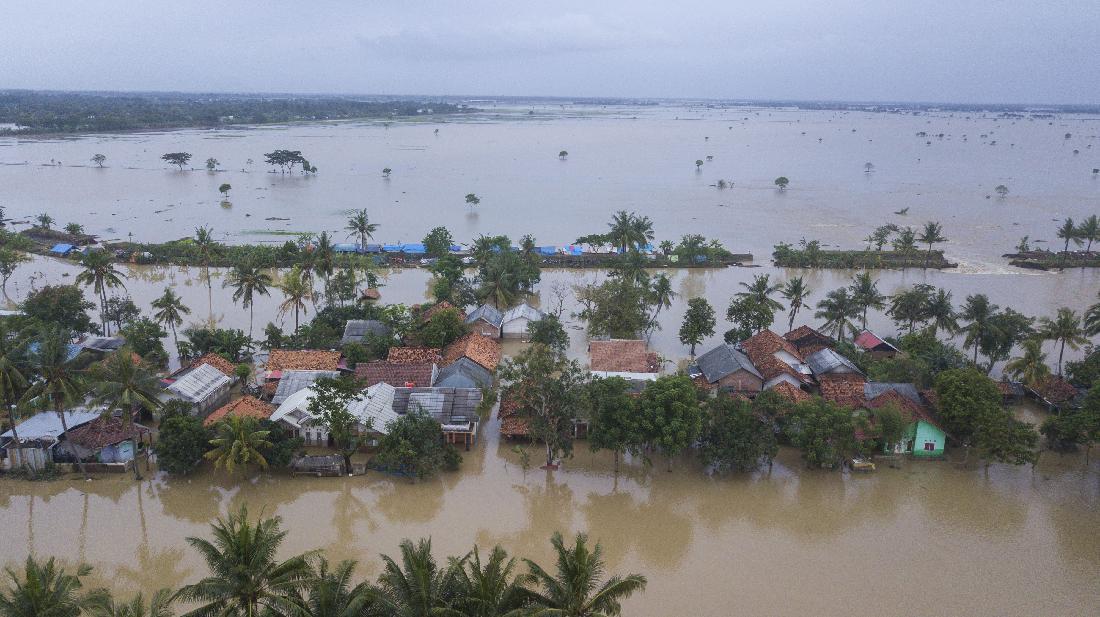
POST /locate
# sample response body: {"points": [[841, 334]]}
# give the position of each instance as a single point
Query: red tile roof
{"points": [[244, 407], [415, 355], [370, 293], [304, 360], [103, 432], [910, 410], [761, 349], [844, 389], [397, 374], [790, 392], [481, 349], [511, 424], [218, 362], [869, 340], [1055, 390], [808, 340], [622, 356]]}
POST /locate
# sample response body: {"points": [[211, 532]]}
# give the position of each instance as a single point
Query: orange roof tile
{"points": [[244, 407], [304, 360], [808, 340], [415, 355], [622, 356], [441, 306], [844, 389], [481, 349], [790, 392], [218, 362]]}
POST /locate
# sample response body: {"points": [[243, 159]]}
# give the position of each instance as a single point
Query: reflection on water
{"points": [[1003, 541]]}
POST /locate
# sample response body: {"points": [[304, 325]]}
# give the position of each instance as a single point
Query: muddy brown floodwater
{"points": [[930, 538]]}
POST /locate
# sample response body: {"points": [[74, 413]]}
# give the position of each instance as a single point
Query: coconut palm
{"points": [[331, 593], [1089, 230], [100, 274], [941, 313], [169, 311], [865, 295], [204, 242], [244, 578], [1068, 232], [47, 590], [838, 310], [359, 225], [159, 606], [662, 294], [324, 256], [499, 283], [910, 306], [237, 442], [1031, 367], [795, 292], [45, 221], [1065, 329], [247, 280], [978, 312], [576, 590], [59, 382], [760, 292], [931, 234], [12, 381], [1092, 319], [622, 232], [490, 589], [297, 290], [906, 240], [417, 587], [642, 229], [123, 384]]}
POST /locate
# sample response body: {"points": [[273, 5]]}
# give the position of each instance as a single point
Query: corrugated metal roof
{"points": [[872, 390], [723, 360], [46, 425], [487, 313], [524, 310], [373, 407], [198, 384], [463, 373], [357, 329], [296, 381], [827, 361]]}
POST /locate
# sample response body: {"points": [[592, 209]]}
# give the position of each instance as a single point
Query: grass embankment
{"points": [[1049, 260], [790, 257]]}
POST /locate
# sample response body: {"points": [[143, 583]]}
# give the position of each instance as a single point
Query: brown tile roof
{"points": [[397, 374], [808, 340], [844, 389], [244, 407], [304, 360], [441, 306], [415, 355], [790, 392], [370, 293], [481, 349], [1055, 390], [103, 432], [761, 349], [910, 410], [218, 362], [622, 356], [511, 425]]}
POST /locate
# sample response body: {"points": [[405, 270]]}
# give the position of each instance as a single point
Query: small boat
{"points": [[861, 464]]}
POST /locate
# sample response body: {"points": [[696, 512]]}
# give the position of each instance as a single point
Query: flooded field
{"points": [[639, 159], [929, 538]]}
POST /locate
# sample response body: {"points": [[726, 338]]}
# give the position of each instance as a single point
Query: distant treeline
{"points": [[73, 112]]}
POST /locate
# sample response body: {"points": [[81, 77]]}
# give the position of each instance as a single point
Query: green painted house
{"points": [[923, 437]]}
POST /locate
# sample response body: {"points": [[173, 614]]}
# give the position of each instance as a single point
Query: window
{"points": [[929, 446]]}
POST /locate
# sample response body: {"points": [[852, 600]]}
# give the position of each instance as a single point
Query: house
{"points": [[464, 373], [105, 440], [204, 387], [516, 319], [61, 249], [301, 360], [1055, 394], [875, 345], [397, 374], [844, 389], [481, 349], [727, 368], [626, 358], [828, 362], [369, 295], [807, 340], [415, 355], [291, 382], [923, 437], [103, 345], [435, 309], [357, 329], [486, 321], [373, 409], [776, 358], [38, 435], [792, 393], [244, 407], [454, 408]]}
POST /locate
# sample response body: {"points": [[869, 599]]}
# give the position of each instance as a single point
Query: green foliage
{"points": [[121, 311], [413, 444], [734, 438], [549, 391], [233, 344], [890, 424], [969, 405], [283, 446], [48, 590], [60, 305], [612, 423], [238, 442], [550, 332], [1085, 372], [668, 415], [445, 327], [698, 323], [144, 336], [823, 431], [438, 242], [749, 316], [619, 307], [329, 406], [181, 443], [177, 158]]}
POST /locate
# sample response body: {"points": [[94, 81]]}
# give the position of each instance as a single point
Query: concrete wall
{"points": [[741, 381]]}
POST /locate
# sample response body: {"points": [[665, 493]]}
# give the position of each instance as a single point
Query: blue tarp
{"points": [[573, 249], [62, 249], [392, 248], [373, 248], [546, 250], [456, 248], [345, 248], [414, 249], [72, 350]]}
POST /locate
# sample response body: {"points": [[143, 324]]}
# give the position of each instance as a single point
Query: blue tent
{"points": [[345, 248], [62, 249], [392, 248], [413, 249], [546, 250], [456, 248], [573, 249], [373, 248]]}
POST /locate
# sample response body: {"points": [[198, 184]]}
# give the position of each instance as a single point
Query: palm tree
{"points": [[931, 234], [575, 590], [1089, 230], [911, 305], [297, 291], [498, 283], [662, 294], [838, 309], [247, 280], [125, 385], [623, 232], [59, 383], [865, 295], [760, 291], [99, 273], [941, 313], [1068, 232], [324, 256], [795, 292], [978, 312], [359, 225], [642, 230], [1092, 319], [204, 241], [1031, 367], [45, 221], [170, 310], [490, 590], [12, 382], [330, 593], [906, 241], [417, 587], [245, 578], [1064, 329], [47, 590], [237, 442], [159, 606]]}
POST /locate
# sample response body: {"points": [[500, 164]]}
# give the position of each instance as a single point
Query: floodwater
{"points": [[928, 538]]}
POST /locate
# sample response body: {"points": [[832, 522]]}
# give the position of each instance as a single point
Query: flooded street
{"points": [[997, 543]]}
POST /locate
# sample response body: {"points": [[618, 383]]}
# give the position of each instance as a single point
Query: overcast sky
{"points": [[912, 50]]}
